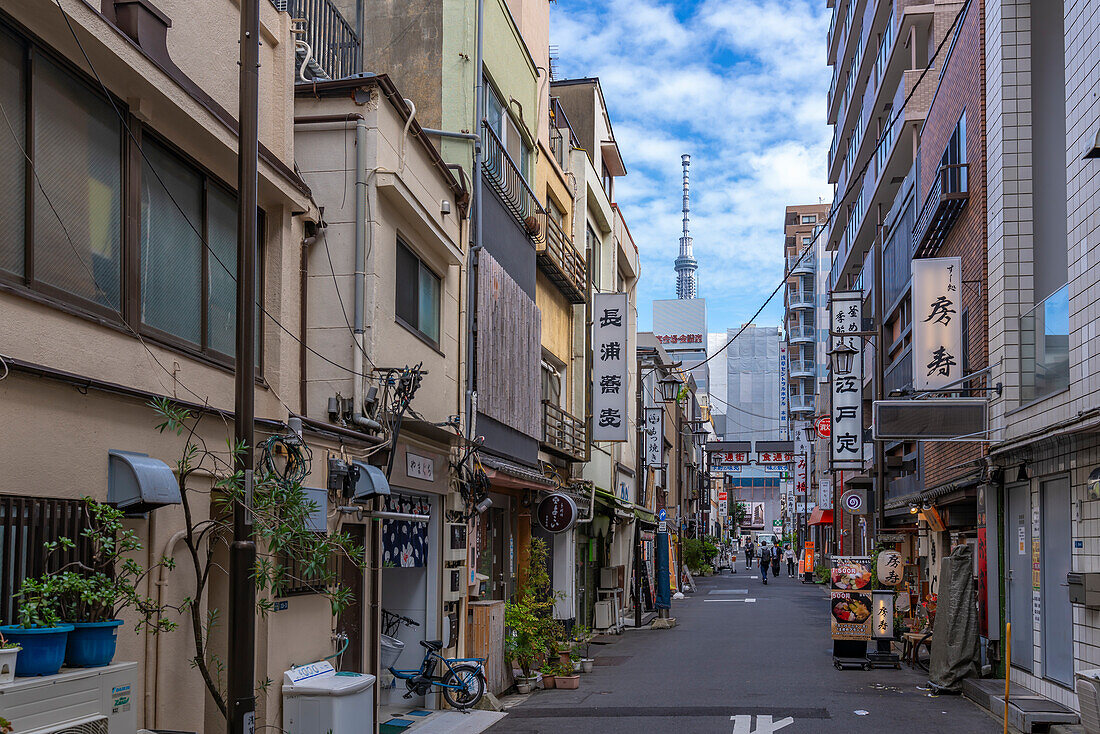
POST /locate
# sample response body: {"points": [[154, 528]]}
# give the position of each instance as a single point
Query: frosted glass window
{"points": [[13, 140], [78, 196]]}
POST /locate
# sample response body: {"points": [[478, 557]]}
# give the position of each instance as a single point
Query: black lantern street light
{"points": [[670, 388], [811, 432], [843, 356]]}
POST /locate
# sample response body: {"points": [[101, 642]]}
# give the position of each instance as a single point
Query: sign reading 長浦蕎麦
{"points": [[937, 322], [609, 367], [847, 385]]}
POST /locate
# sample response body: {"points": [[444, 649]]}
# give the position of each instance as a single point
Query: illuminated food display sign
{"points": [[850, 600]]}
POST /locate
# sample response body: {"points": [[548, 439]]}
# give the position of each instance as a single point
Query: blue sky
{"points": [[738, 84]]}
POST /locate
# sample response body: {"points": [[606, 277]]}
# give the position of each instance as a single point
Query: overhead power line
{"points": [[851, 186]]}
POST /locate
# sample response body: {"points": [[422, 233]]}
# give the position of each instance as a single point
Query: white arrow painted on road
{"points": [[742, 724]]}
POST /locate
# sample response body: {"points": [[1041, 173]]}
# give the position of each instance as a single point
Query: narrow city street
{"points": [[742, 652]]}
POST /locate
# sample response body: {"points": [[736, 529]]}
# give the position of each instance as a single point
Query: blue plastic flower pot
{"points": [[92, 644], [43, 648]]}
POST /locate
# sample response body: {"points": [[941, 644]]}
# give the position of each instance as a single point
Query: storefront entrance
{"points": [[1057, 624], [410, 581], [1019, 577]]}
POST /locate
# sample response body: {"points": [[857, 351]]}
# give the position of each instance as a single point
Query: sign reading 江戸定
{"points": [[609, 367], [937, 322], [847, 385]]}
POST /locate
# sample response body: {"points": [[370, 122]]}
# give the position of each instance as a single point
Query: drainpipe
{"points": [[362, 227], [471, 270], [152, 692]]}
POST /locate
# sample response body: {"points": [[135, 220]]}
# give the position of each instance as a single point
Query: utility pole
{"points": [[242, 552]]}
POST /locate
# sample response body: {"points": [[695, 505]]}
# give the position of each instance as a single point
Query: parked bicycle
{"points": [[462, 681]]}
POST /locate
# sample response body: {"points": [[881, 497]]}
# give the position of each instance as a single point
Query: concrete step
{"points": [[980, 690], [1033, 712]]}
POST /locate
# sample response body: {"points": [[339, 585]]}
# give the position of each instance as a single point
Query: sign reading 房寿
{"points": [[937, 322], [609, 367], [847, 385]]}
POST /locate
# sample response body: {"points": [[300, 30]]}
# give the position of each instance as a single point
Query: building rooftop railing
{"points": [[562, 432], [335, 50]]}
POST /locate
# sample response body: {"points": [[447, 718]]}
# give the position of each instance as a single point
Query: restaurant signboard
{"points": [[850, 599]]}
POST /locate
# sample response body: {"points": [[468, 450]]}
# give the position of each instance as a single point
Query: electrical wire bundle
{"points": [[287, 458]]}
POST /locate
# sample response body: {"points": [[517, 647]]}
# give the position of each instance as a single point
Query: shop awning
{"points": [[821, 516], [509, 475], [645, 517]]}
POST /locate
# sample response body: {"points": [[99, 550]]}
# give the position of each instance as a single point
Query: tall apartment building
{"points": [[878, 50], [801, 300]]}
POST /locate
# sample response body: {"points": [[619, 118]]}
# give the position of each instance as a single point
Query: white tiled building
{"points": [[1044, 283]]}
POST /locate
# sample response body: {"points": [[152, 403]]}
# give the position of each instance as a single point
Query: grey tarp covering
{"points": [[955, 642]]}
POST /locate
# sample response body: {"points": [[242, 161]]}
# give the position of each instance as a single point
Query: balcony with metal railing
{"points": [[800, 333], [562, 137], [562, 263], [943, 205], [802, 403], [504, 177], [798, 298], [562, 432], [802, 368], [802, 264], [335, 51]]}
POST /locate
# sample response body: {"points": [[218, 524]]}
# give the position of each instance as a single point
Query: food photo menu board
{"points": [[850, 597]]}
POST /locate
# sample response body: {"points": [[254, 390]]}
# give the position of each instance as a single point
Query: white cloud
{"points": [[739, 84]]}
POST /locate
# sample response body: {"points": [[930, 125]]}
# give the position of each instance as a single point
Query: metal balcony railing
{"points": [[562, 263], [945, 201], [562, 432], [807, 264], [504, 176], [802, 403], [800, 333], [802, 368], [800, 299], [335, 49]]}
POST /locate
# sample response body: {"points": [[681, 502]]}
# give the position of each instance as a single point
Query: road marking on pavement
{"points": [[728, 591], [737, 600], [764, 725]]}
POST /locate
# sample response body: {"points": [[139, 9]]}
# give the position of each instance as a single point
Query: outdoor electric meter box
{"points": [[1084, 588], [318, 700]]}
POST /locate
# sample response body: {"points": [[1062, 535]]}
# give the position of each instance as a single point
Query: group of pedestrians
{"points": [[770, 557]]}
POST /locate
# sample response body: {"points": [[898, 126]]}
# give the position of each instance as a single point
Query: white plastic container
{"points": [[318, 700]]}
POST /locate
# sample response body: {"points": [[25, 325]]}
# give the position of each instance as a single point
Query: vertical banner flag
{"points": [[937, 324], [654, 432], [784, 428], [609, 367], [847, 387], [801, 464]]}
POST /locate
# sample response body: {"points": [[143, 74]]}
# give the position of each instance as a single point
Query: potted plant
{"points": [[566, 677], [40, 634], [549, 675], [9, 653], [582, 636], [5, 726], [91, 595], [529, 619]]}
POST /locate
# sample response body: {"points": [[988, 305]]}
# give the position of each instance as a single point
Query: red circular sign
{"points": [[824, 427], [557, 512]]}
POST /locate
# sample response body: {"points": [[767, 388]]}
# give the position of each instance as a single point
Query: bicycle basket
{"points": [[391, 651]]}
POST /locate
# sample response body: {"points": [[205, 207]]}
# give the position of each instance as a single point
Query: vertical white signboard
{"points": [[801, 463], [654, 436], [937, 322], [609, 367], [784, 425], [847, 386]]}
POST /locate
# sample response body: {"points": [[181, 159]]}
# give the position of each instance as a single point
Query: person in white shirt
{"points": [[788, 553]]}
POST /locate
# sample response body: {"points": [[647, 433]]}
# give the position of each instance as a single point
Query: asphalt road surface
{"points": [[744, 659]]}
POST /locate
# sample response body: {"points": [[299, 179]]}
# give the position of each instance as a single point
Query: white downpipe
{"points": [[405, 135], [362, 232], [162, 585]]}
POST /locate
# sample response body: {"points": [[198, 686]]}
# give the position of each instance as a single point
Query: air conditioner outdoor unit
{"points": [[75, 701]]}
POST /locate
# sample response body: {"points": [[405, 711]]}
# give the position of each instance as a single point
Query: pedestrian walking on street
{"points": [[776, 558], [765, 560], [789, 555], [749, 553]]}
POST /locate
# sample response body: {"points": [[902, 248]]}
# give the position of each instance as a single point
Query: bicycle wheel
{"points": [[473, 686], [923, 659]]}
